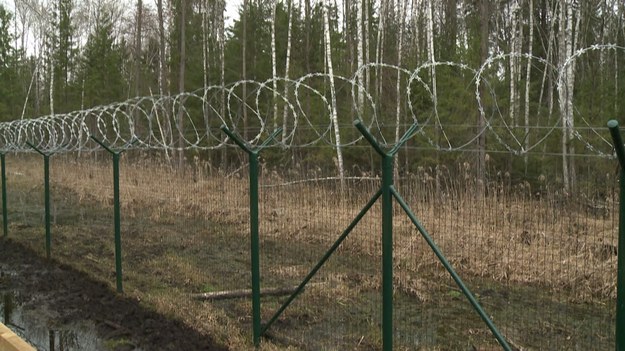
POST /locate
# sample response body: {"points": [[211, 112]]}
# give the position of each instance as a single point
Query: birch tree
{"points": [[330, 71], [204, 10], [244, 66], [528, 71], [379, 47], [431, 60], [287, 66], [222, 39], [366, 44], [484, 14], [547, 79], [162, 69], [400, 45], [514, 44], [274, 73], [138, 48], [52, 42], [181, 81], [567, 35], [360, 54]]}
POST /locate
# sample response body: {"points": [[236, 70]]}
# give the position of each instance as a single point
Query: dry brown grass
{"points": [[511, 235]]}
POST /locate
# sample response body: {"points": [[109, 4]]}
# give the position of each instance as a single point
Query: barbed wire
{"points": [[191, 120]]}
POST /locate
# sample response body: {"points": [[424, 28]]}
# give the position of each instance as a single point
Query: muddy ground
{"points": [[69, 296]]}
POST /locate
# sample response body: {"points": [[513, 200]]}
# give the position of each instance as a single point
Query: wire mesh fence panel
{"points": [[540, 260], [542, 263], [25, 200], [304, 214]]}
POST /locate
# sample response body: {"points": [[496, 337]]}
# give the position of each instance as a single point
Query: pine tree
{"points": [[101, 64], [10, 90]]}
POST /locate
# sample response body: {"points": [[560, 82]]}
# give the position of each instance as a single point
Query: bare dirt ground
{"points": [[72, 296]]}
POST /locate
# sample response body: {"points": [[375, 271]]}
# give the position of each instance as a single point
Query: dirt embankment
{"points": [[73, 297]]}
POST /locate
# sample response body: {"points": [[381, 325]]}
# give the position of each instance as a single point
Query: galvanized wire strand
{"points": [[191, 120]]}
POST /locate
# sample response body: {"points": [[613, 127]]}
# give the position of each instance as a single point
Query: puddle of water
{"points": [[37, 325]]}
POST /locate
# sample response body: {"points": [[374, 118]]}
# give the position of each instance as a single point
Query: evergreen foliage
{"points": [[89, 63]]}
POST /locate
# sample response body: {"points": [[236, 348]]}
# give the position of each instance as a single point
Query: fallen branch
{"points": [[234, 294]]}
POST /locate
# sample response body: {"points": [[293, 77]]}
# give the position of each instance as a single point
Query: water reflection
{"points": [[37, 325]]}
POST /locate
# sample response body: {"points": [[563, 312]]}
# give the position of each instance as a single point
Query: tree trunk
{"points": [[244, 68], [432, 59], [285, 112], [566, 92], [481, 119], [617, 26], [379, 50], [166, 134], [235, 294], [274, 72], [222, 69], [562, 86], [366, 44], [451, 24], [528, 71], [360, 55], [548, 68], [183, 58], [513, 64], [400, 46], [205, 47], [347, 34], [307, 49], [52, 68], [570, 90], [334, 116], [162, 81], [138, 48]]}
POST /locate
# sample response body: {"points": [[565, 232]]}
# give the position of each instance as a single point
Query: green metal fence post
{"points": [[620, 275], [255, 246], [116, 214], [254, 226], [387, 253], [117, 220], [387, 229], [46, 191], [46, 176], [5, 222]]}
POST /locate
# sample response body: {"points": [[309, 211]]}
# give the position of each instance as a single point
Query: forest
{"points": [[502, 82]]}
